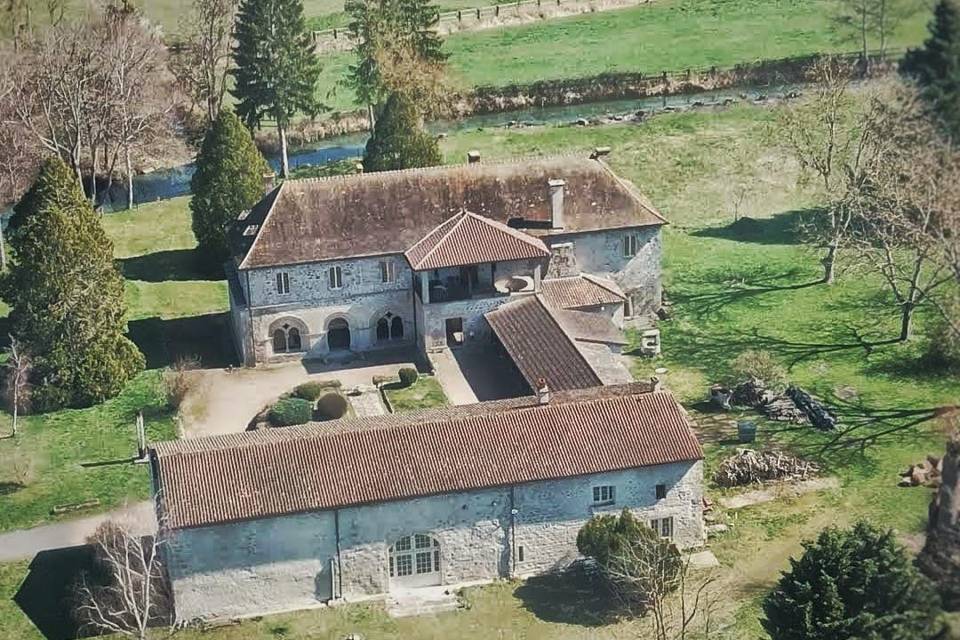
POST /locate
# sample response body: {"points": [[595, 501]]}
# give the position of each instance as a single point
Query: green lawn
{"points": [[71, 456], [425, 393], [670, 35]]}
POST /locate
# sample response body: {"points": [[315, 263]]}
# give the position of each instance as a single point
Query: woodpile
{"points": [[925, 474], [783, 409], [748, 466], [818, 414]]}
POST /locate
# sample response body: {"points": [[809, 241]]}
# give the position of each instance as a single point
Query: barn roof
{"points": [[388, 212], [274, 472]]}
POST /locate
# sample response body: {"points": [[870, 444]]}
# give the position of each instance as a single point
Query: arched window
{"points": [[287, 338], [396, 328], [415, 560], [383, 329]]}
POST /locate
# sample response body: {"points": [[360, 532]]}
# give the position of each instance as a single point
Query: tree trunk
{"points": [[3, 250], [906, 321], [371, 118], [830, 264], [285, 162], [940, 558], [16, 403], [129, 178], [93, 175]]}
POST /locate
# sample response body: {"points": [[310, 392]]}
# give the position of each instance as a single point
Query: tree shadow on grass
{"points": [[571, 596], [782, 228], [163, 266], [708, 293], [44, 596], [206, 337]]}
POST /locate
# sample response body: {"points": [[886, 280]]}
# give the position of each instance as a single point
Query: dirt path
{"points": [[224, 401]]}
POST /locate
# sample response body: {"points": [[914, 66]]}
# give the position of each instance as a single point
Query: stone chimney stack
{"points": [[543, 391], [655, 384], [556, 203], [269, 182], [473, 157]]}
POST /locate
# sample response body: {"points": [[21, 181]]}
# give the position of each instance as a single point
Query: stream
{"points": [[174, 182]]}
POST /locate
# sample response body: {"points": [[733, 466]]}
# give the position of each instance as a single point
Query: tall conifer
{"points": [[67, 296], [229, 179], [276, 69], [936, 66], [398, 140]]}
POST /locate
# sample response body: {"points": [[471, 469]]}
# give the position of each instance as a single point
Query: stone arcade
{"points": [[362, 262], [284, 519]]}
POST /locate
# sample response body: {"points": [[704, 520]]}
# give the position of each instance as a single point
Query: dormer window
{"points": [[251, 230], [243, 214]]}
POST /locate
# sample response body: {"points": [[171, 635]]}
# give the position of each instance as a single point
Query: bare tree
{"points": [[872, 20], [201, 58], [131, 592], [822, 134], [897, 197], [16, 386]]}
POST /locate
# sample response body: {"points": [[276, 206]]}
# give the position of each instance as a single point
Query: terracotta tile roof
{"points": [[388, 212], [540, 346], [590, 327], [581, 291], [323, 466], [467, 238]]}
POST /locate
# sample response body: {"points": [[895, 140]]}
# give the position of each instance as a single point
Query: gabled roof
{"points": [[540, 346], [575, 292], [467, 238], [589, 327], [388, 212], [274, 472]]}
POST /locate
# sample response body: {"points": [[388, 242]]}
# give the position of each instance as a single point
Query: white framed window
{"points": [[663, 527], [335, 275], [630, 245], [283, 283], [388, 271], [661, 491], [604, 494]]}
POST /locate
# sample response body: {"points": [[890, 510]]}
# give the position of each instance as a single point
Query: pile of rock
{"points": [[748, 466], [926, 474]]}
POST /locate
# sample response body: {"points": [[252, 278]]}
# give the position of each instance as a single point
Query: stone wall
{"points": [[283, 563], [476, 329], [600, 253]]}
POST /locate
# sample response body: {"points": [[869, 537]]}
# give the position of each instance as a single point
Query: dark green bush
{"points": [[332, 406], [313, 389], [408, 376], [291, 411]]}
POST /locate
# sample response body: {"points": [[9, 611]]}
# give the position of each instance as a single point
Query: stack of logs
{"points": [[755, 467], [793, 405], [925, 474]]}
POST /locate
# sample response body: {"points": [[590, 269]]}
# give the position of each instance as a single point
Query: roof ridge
{"points": [[602, 283], [633, 190], [514, 233], [506, 160], [436, 245], [263, 223]]}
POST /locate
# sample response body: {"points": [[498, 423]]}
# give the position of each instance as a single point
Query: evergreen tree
{"points": [[398, 140], [276, 70], [936, 66], [855, 584], [228, 180], [67, 296], [387, 32]]}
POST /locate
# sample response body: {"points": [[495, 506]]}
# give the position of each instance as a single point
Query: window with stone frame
{"points": [[631, 244], [388, 271], [335, 275], [604, 494], [628, 307], [661, 491], [663, 527], [283, 283]]}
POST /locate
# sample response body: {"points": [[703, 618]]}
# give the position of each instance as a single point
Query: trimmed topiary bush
{"points": [[288, 412], [313, 389], [332, 406], [408, 376]]}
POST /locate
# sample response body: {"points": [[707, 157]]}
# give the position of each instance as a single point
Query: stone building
{"points": [[420, 256], [285, 519]]}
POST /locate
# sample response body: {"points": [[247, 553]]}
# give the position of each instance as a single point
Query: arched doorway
{"points": [[338, 335], [415, 561]]}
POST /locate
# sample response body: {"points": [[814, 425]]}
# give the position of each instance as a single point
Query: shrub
{"points": [[943, 349], [291, 411], [332, 406], [313, 389], [848, 581], [178, 380], [760, 365], [408, 376]]}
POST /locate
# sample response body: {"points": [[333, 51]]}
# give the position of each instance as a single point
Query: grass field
{"points": [[733, 286], [425, 393], [670, 35]]}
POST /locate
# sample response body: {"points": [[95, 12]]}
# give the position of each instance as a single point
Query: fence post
{"points": [[496, 11], [459, 16], [478, 13], [334, 34]]}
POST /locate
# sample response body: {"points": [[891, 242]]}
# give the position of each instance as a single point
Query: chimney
{"points": [[358, 168], [269, 182], [473, 157], [655, 384], [556, 203], [543, 391]]}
